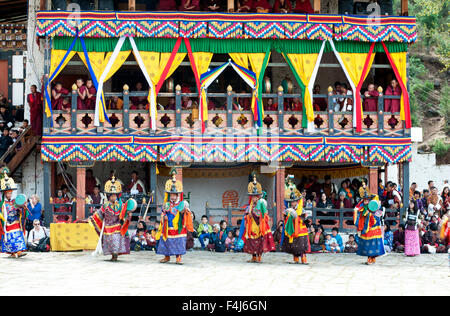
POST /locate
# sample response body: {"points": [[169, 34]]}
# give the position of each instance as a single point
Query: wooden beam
{"points": [[316, 6], [131, 5], [405, 7]]}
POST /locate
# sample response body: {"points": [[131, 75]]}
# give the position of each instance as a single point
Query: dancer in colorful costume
{"points": [[255, 229], [445, 231], [295, 238], [112, 220], [14, 213], [367, 218], [176, 221]]}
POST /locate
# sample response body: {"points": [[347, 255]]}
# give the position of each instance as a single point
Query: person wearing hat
{"points": [[295, 239], [176, 221], [12, 219], [367, 219], [112, 220], [255, 229]]}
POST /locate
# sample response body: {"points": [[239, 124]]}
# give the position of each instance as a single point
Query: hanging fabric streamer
{"points": [[100, 113]]}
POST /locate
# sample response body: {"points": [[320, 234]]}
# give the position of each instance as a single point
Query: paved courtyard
{"points": [[79, 273]]}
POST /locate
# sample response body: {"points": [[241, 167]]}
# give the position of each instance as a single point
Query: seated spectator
{"points": [[342, 202], [58, 93], [351, 246], [388, 238], [349, 194], [35, 210], [204, 230], [61, 199], [171, 105], [137, 102], [244, 6], [229, 242], [303, 6], [212, 237], [38, 238], [221, 237], [115, 103], [277, 235], [435, 203], [138, 236], [320, 104], [328, 187], [316, 238], [340, 243], [238, 245], [90, 182], [5, 141], [296, 105], [190, 5], [399, 239], [282, 6], [331, 244], [167, 5], [392, 105], [186, 102], [214, 5], [431, 241], [90, 95], [96, 198], [370, 99], [261, 6], [81, 94], [15, 137], [242, 104], [271, 106], [324, 202]]}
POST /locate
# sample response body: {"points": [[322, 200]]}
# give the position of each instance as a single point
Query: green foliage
{"points": [[440, 148], [444, 106]]}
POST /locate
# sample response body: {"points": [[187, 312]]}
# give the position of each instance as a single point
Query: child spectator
{"points": [[81, 94], [204, 230], [340, 243], [388, 238], [220, 245], [212, 237], [331, 244], [399, 238], [58, 93], [90, 95], [238, 244], [316, 238], [351, 246], [229, 242]]}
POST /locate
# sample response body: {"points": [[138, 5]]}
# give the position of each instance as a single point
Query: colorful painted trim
{"points": [[227, 25], [373, 150]]}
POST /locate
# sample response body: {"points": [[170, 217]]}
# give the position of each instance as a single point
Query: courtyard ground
{"points": [[206, 273]]}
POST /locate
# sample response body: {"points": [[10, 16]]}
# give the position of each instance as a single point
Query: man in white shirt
{"points": [[35, 235]]}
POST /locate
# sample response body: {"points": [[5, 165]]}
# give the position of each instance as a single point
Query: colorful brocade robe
{"points": [[178, 222], [294, 226], [255, 229], [445, 231], [370, 235], [115, 238], [12, 227]]}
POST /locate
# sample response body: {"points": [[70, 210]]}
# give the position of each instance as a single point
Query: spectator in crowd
{"points": [[412, 188], [282, 6], [58, 94], [431, 241], [320, 104], [277, 235], [244, 6], [6, 116], [15, 137], [115, 103], [35, 210], [241, 104], [212, 237], [238, 245], [388, 238], [81, 94], [221, 237], [340, 243], [139, 102], [136, 185], [61, 199], [370, 99], [392, 105], [417, 199], [90, 95], [342, 202], [5, 141], [229, 242], [136, 237], [435, 203], [316, 238], [190, 5], [97, 198], [331, 244], [261, 6], [204, 230], [424, 199], [214, 5], [186, 102], [399, 238], [345, 103], [38, 238], [324, 202], [351, 246], [3, 100], [412, 239], [167, 5], [91, 182], [303, 6], [271, 106], [328, 187], [349, 194], [35, 102], [171, 105]]}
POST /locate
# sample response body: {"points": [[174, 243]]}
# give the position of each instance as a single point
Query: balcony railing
{"points": [[225, 120]]}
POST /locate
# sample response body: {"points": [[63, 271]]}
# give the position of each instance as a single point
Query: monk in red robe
{"points": [[303, 6], [90, 95], [261, 6], [35, 102], [393, 105], [81, 95], [370, 99], [58, 93], [167, 5], [282, 6]]}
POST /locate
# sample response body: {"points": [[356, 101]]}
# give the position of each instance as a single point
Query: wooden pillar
{"points": [[131, 5], [405, 188], [386, 174], [81, 192], [48, 217], [230, 5], [373, 180], [279, 196], [405, 7], [179, 175], [317, 6], [53, 178]]}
